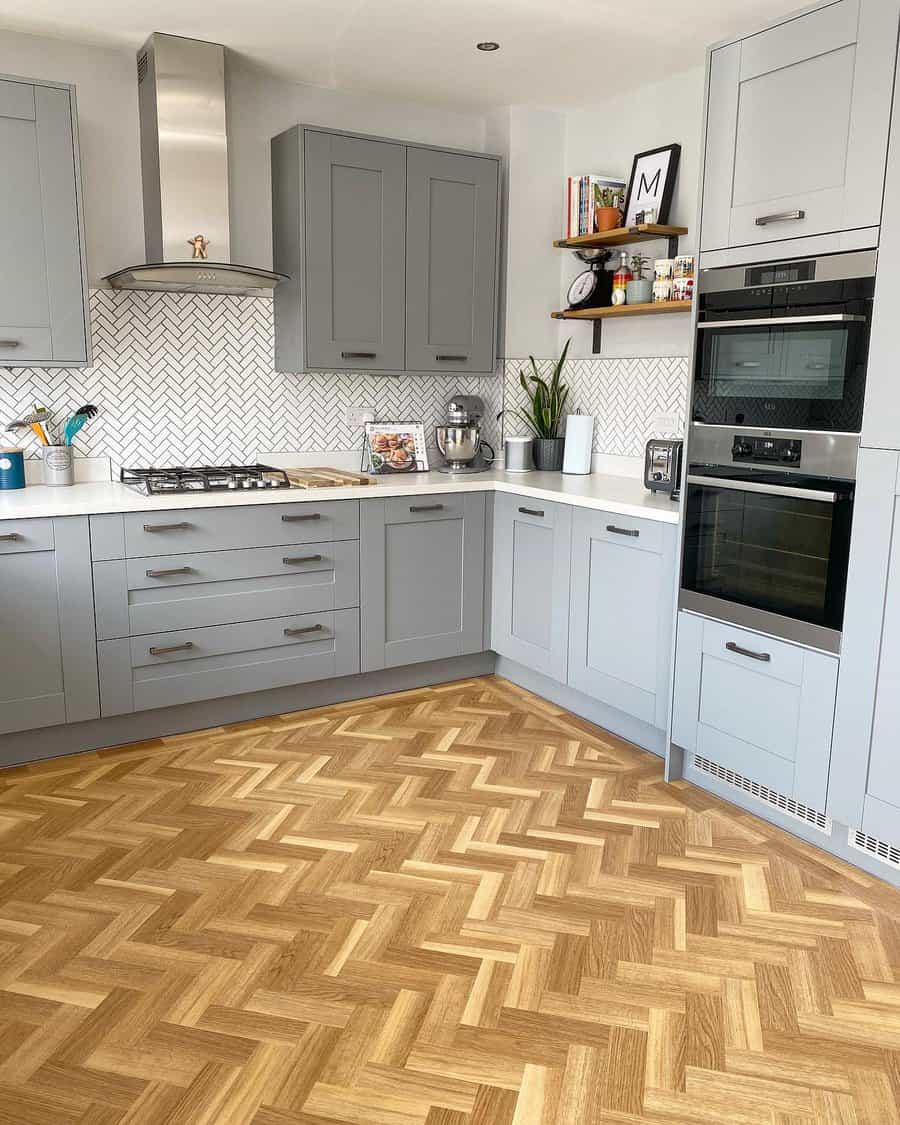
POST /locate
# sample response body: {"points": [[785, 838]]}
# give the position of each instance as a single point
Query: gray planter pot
{"points": [[548, 454], [639, 292]]}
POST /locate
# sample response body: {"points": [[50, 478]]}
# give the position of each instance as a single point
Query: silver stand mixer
{"points": [[459, 441]]}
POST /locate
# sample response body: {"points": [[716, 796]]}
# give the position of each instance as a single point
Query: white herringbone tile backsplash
{"points": [[189, 379]]}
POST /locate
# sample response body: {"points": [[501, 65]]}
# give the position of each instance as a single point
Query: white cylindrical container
{"points": [[59, 467], [517, 455], [579, 443]]}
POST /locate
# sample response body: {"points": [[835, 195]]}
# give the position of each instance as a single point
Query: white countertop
{"points": [[621, 495]]}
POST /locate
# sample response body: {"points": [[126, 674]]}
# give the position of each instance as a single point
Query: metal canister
{"points": [[12, 468]]}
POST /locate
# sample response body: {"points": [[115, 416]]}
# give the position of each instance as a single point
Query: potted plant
{"points": [[544, 412], [607, 213], [639, 291]]}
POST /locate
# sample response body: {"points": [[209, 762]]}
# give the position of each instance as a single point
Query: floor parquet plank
{"points": [[458, 905]]}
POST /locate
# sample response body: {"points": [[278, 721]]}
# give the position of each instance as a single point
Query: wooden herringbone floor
{"points": [[454, 906]]}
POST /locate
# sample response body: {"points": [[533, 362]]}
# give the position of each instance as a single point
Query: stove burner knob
{"points": [[791, 455], [741, 449]]}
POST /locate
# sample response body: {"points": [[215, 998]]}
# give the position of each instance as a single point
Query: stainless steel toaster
{"points": [[662, 465]]}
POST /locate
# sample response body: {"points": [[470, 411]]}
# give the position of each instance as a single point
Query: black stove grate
{"points": [[203, 478]]}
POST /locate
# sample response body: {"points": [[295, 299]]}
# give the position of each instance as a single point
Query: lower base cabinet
{"points": [[421, 578], [760, 707], [622, 588]]}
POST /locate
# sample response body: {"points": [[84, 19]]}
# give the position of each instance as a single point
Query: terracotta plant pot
{"points": [[607, 218], [548, 454]]}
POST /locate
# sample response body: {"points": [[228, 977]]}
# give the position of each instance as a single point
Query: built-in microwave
{"points": [[783, 345]]}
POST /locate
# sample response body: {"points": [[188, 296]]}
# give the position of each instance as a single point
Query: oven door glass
{"points": [[781, 553], [808, 376]]}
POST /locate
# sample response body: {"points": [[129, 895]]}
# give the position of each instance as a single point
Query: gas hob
{"points": [[203, 478]]}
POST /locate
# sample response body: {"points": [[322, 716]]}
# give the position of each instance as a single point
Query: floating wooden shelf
{"points": [[612, 311], [621, 236]]}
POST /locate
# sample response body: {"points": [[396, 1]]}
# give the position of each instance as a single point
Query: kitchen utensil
{"points": [[59, 468], [12, 469], [662, 465], [82, 415], [579, 444], [517, 456], [33, 422]]}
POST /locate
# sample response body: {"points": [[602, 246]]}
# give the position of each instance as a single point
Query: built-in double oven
{"points": [[777, 401]]}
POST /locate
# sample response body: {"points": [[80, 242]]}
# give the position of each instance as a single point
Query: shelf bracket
{"points": [[597, 341], [672, 246]]}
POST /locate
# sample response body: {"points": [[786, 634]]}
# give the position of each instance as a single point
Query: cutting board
{"points": [[326, 478]]}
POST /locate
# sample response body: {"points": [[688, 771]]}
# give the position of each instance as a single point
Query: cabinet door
{"points": [[451, 261], [422, 578], [42, 287], [797, 126], [530, 608], [355, 214], [621, 612], [754, 705]]}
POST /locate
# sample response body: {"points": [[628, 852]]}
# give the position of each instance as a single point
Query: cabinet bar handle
{"points": [[167, 573], [168, 526], [171, 648], [457, 358], [765, 657], [10, 343], [300, 632], [532, 512], [298, 519], [426, 507], [358, 355], [11, 537], [780, 217], [301, 559], [747, 363], [633, 532]]}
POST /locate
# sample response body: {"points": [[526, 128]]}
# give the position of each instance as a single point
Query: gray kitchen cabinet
{"points": [[390, 252], [620, 624], [797, 126], [48, 667], [421, 578], [758, 707], [43, 284], [864, 788], [530, 597], [451, 261]]}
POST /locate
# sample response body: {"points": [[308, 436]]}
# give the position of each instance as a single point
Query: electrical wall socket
{"points": [[357, 416], [664, 423]]}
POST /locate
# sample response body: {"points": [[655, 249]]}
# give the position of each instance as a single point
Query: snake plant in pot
{"points": [[544, 412]]}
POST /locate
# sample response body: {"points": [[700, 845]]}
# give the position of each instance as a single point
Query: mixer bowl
{"points": [[458, 444]]}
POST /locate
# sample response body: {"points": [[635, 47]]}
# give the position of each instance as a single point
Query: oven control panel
{"points": [[766, 450]]}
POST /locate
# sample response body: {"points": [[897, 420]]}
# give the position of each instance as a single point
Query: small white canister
{"points": [[517, 455], [59, 467]]}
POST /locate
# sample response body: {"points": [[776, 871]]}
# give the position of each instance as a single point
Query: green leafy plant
{"points": [[546, 397], [639, 262], [607, 196]]}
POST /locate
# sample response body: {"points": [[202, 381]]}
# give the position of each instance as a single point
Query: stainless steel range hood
{"points": [[184, 168]]}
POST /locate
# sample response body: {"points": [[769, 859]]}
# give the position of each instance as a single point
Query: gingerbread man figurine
{"points": [[199, 245]]}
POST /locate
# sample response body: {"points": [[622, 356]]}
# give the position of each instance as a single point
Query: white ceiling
{"points": [[553, 52]]}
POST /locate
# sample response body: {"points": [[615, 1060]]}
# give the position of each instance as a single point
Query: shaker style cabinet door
{"points": [[421, 578], [797, 126], [451, 261], [42, 272], [354, 234], [530, 593]]}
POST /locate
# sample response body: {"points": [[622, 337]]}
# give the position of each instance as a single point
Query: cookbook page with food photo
{"points": [[395, 447]]}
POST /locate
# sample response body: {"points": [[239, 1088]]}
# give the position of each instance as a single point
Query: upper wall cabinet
{"points": [[43, 284], [391, 253], [797, 126]]}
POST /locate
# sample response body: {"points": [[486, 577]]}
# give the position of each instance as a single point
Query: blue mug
{"points": [[12, 468]]}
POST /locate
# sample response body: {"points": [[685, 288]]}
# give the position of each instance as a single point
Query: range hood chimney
{"points": [[184, 169]]}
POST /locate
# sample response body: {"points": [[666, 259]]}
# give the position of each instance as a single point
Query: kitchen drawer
{"points": [[420, 509], [224, 529], [186, 665], [754, 652], [647, 535], [21, 346], [25, 535], [136, 596]]}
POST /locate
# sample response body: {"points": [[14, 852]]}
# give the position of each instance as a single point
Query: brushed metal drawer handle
{"points": [[171, 648], [780, 217], [298, 519], [426, 507], [306, 629], [358, 355], [172, 570], [532, 512], [630, 531], [168, 526], [765, 657], [455, 358], [746, 363], [301, 559], [10, 537], [10, 343]]}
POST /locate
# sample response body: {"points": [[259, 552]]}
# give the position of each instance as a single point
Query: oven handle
{"points": [[768, 489], [777, 321]]}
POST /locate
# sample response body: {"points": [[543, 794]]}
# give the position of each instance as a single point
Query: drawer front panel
{"points": [[644, 535], [752, 707], [420, 509], [749, 650], [223, 529], [25, 535], [183, 666]]}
